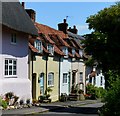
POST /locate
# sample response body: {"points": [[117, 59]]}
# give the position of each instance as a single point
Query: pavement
{"points": [[45, 107]]}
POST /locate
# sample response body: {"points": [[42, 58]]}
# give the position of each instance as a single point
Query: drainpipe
{"points": [[59, 77], [32, 73], [46, 69]]}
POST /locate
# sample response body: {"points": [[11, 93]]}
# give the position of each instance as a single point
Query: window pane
{"points": [[10, 67], [81, 76], [65, 78], [14, 62], [50, 79], [6, 72], [14, 67], [14, 72], [6, 61], [13, 38], [6, 67], [10, 61], [10, 72]]}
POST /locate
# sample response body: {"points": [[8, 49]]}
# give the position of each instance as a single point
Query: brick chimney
{"points": [[63, 26], [32, 14], [73, 30]]}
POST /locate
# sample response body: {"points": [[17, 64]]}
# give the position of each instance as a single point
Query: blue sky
{"points": [[52, 13]]}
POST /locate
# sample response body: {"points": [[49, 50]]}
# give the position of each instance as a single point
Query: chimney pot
{"points": [[74, 27], [23, 4], [32, 14], [64, 20]]}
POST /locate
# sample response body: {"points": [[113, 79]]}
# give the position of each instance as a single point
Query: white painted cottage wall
{"points": [[21, 85], [65, 67]]}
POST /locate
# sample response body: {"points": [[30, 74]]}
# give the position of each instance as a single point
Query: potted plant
{"points": [[28, 102]]}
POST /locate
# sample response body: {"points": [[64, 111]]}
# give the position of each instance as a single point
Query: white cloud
{"points": [[82, 27]]}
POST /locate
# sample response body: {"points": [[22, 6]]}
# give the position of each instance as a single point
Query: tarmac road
{"points": [[85, 110]]}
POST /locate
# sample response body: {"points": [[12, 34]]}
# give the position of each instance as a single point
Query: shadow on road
{"points": [[77, 110]]}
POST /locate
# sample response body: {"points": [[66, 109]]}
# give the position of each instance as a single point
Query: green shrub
{"points": [[95, 92], [4, 104], [0, 101], [112, 97]]}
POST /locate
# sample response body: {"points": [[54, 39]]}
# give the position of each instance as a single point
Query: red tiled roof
{"points": [[45, 50], [33, 48], [50, 35], [47, 31], [58, 40], [70, 54], [58, 51], [77, 55]]}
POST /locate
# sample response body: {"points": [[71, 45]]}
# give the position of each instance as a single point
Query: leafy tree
{"points": [[112, 99], [104, 42]]}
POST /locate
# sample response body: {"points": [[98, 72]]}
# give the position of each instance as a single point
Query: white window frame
{"points": [[81, 53], [10, 67], [50, 48], [38, 46], [50, 79], [65, 78], [13, 38], [65, 50], [81, 76], [73, 51]]}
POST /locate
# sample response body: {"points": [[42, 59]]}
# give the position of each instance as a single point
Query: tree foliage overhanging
{"points": [[104, 42]]}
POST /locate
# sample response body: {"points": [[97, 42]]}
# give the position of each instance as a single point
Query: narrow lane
{"points": [[85, 110]]}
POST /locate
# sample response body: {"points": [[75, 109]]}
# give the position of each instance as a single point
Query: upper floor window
{"points": [[10, 67], [73, 51], [13, 38], [81, 76], [65, 50], [50, 79], [50, 48], [38, 45], [64, 77], [81, 53]]}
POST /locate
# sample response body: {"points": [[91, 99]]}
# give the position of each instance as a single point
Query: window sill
{"points": [[50, 85], [65, 83], [13, 43], [11, 76]]}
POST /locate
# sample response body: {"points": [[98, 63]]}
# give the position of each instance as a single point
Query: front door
{"points": [[42, 83]]}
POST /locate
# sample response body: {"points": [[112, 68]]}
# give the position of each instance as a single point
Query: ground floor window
{"points": [[42, 83], [81, 76], [50, 79], [10, 67], [64, 77]]}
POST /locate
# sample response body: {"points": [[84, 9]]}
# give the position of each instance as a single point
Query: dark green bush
{"points": [[95, 92], [4, 104], [112, 97]]}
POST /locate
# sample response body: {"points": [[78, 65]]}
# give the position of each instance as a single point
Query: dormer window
{"points": [[38, 46], [73, 51], [65, 50], [81, 53], [50, 48]]}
